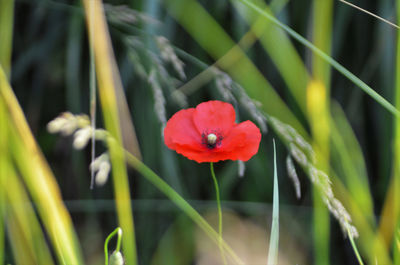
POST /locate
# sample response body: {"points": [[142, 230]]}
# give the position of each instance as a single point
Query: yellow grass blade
{"points": [[111, 97], [39, 180], [6, 30]]}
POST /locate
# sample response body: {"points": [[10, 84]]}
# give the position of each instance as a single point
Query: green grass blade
{"points": [[367, 89], [321, 37], [217, 195], [322, 29], [21, 211], [6, 32], [348, 160], [274, 237], [354, 246]]}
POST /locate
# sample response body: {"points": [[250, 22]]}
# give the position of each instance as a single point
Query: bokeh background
{"points": [[175, 54]]}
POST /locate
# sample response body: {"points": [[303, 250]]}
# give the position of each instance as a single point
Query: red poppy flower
{"points": [[208, 133]]}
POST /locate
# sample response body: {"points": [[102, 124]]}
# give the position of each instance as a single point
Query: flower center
{"points": [[211, 139]]}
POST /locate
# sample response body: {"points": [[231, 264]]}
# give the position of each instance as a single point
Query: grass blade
{"points": [[39, 179], [112, 98], [274, 238], [6, 32], [353, 244], [348, 158], [321, 71], [4, 170], [389, 222]]}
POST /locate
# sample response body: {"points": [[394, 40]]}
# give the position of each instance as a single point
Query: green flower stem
{"points": [[118, 231], [180, 202], [219, 212]]}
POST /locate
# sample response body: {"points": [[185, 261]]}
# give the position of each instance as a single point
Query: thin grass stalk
{"points": [[93, 101], [354, 246], [358, 82], [6, 32], [107, 84], [39, 179], [274, 237]]}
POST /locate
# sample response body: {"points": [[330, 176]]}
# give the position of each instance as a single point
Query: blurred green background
{"points": [[165, 51]]}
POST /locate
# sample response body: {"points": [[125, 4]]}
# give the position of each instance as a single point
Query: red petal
{"points": [[242, 142], [181, 131], [214, 115]]}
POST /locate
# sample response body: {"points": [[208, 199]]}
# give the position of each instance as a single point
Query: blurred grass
{"points": [[39, 180], [347, 158], [6, 31], [392, 228], [4, 164], [28, 241], [319, 114], [272, 68], [317, 104], [378, 98], [279, 47], [109, 86]]}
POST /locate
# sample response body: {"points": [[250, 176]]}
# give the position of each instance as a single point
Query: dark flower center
{"points": [[212, 139]]}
